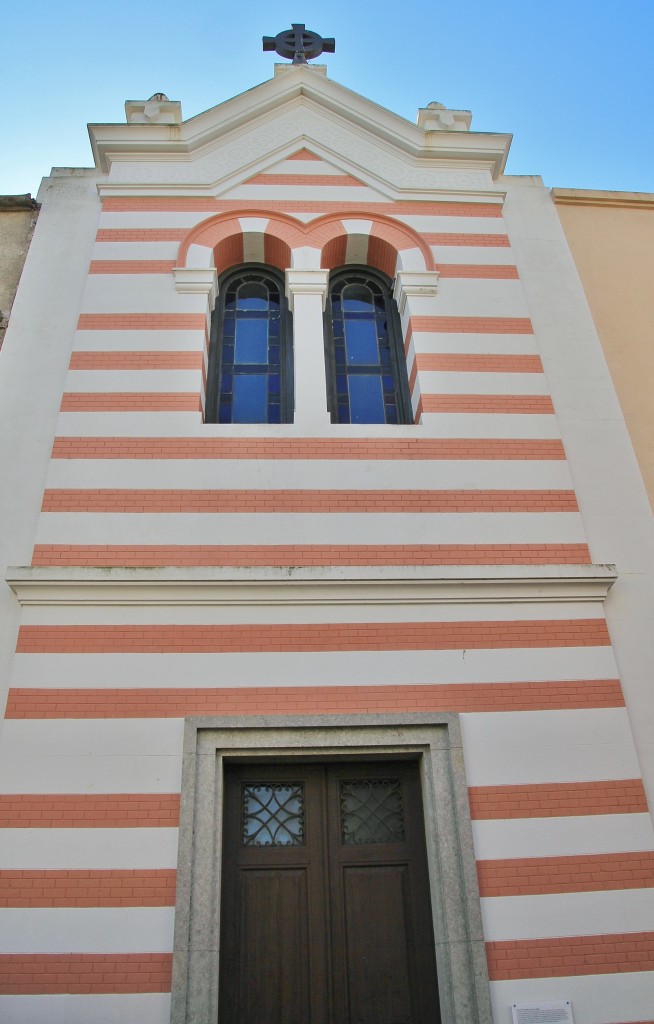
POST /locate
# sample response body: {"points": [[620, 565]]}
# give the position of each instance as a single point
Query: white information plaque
{"points": [[559, 1012]]}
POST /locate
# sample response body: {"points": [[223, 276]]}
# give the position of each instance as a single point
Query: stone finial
{"points": [[157, 110], [435, 117]]}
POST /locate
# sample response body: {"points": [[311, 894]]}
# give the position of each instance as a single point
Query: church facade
{"points": [[329, 598]]}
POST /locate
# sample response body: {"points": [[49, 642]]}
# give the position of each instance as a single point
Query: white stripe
{"points": [[138, 293], [72, 849], [86, 930], [484, 297], [595, 998], [329, 668], [135, 250], [562, 837], [522, 426], [135, 341], [475, 344], [101, 738], [144, 1008], [309, 193], [431, 223], [113, 773], [300, 474], [473, 255], [174, 424], [102, 381], [152, 219], [561, 914], [449, 382], [311, 528], [548, 746], [301, 611]]}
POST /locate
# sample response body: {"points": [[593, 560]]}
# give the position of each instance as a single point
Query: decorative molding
{"points": [[202, 281], [312, 586], [596, 197], [221, 147], [414, 284], [306, 282]]}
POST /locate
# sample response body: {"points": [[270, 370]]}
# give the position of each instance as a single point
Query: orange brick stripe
{"points": [[513, 404], [309, 448], [297, 501], [179, 702], [472, 363], [130, 401], [571, 956], [304, 179], [499, 272], [131, 266], [341, 636], [119, 204], [141, 234], [310, 554], [89, 810], [473, 324], [141, 322], [146, 888], [558, 800], [84, 973], [451, 238], [304, 154], [540, 875], [155, 360]]}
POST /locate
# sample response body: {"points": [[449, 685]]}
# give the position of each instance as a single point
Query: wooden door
{"points": [[325, 902]]}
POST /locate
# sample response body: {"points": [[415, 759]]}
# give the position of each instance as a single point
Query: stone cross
{"points": [[299, 44]]}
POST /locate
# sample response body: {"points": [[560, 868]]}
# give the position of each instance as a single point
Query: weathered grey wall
{"points": [[17, 219]]}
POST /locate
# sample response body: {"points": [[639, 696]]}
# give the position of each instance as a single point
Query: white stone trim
{"points": [[201, 281], [392, 585], [414, 284]]}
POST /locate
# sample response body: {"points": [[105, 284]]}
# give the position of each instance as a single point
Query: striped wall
{"points": [[90, 765]]}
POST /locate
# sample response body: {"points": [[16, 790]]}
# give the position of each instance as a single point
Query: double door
{"points": [[325, 910]]}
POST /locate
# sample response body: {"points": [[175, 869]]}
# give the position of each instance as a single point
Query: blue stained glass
{"points": [[361, 342], [250, 398], [251, 341], [366, 399], [357, 298], [252, 296]]}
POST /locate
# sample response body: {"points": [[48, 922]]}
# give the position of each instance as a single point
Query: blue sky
{"points": [[571, 79]]}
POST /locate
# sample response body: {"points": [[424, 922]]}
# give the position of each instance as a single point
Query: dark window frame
{"points": [[361, 274], [252, 272]]}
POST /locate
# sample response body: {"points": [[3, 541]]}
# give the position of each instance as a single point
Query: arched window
{"points": [[250, 377], [364, 352]]}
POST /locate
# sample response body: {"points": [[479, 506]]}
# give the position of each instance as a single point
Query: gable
{"points": [[283, 120]]}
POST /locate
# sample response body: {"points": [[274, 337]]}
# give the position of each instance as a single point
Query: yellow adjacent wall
{"points": [[611, 236]]}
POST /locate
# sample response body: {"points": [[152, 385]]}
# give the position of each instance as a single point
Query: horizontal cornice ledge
{"points": [[300, 586]]}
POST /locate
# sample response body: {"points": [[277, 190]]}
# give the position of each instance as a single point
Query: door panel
{"points": [[325, 912]]}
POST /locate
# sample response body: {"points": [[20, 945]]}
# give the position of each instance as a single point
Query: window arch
{"points": [[366, 367], [250, 377]]}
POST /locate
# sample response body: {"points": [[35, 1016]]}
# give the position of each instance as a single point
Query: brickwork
{"points": [[298, 501], [510, 449], [89, 810], [150, 888], [84, 973], [344, 636], [172, 702], [539, 875], [576, 955], [558, 800], [310, 554]]}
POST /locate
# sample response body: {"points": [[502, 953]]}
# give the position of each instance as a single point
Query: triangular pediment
{"points": [[297, 124]]}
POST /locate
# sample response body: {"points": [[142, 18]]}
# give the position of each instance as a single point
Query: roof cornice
{"points": [[302, 586], [130, 142]]}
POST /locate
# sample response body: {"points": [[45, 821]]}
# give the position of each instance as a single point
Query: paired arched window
{"points": [[367, 377], [250, 376]]}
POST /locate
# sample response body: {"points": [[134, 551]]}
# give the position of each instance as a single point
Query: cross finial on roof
{"points": [[299, 44]]}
